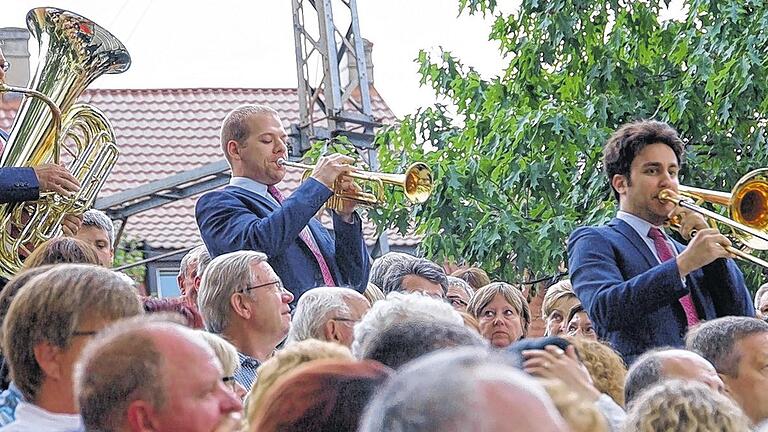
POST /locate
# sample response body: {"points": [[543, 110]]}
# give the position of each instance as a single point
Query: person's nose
{"points": [[230, 402], [287, 296]]}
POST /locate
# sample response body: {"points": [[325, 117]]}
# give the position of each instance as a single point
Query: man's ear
{"points": [[619, 183], [180, 281], [48, 357], [140, 416], [329, 331], [726, 381], [241, 307], [233, 150]]}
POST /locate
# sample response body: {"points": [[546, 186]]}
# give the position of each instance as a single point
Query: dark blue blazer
{"points": [[233, 219], [633, 300], [18, 184]]}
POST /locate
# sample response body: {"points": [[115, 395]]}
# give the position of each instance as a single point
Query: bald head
{"points": [[661, 365]]}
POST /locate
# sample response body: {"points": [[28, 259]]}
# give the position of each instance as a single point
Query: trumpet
{"points": [[747, 204], [416, 183]]}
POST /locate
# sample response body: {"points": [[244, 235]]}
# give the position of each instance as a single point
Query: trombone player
{"points": [[251, 214], [641, 288]]}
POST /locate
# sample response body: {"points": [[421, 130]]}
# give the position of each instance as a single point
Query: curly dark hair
{"points": [[628, 140]]}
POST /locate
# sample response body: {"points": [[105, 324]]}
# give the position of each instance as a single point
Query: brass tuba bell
{"points": [[74, 51]]}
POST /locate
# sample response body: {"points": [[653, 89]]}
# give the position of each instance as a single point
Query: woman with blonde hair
{"points": [[502, 313], [684, 406], [605, 366], [227, 355], [285, 361]]}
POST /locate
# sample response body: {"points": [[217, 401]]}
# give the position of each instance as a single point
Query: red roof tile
{"points": [[161, 132]]}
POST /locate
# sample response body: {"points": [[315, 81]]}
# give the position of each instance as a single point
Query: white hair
{"points": [[315, 308], [399, 307], [99, 219], [190, 258], [224, 276]]}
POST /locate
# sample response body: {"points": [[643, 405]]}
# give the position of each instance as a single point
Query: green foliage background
{"points": [[517, 165]]}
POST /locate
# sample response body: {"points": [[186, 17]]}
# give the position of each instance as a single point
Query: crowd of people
{"points": [[286, 325]]}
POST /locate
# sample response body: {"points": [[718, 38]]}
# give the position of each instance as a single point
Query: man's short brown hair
{"points": [[51, 306], [630, 139]]}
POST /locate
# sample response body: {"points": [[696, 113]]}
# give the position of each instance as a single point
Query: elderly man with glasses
{"points": [[242, 298], [329, 314]]}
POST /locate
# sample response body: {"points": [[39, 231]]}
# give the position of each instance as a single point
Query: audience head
{"points": [[227, 355], [579, 324], [459, 292], [320, 396], [240, 290], [61, 250], [373, 293], [416, 275], [558, 301], [458, 390], [676, 405], [402, 342], [398, 308], [382, 264], [203, 259], [581, 414], [665, 363], [502, 313], [98, 231], [52, 318], [605, 366], [188, 270], [329, 314], [738, 349], [129, 379], [761, 301], [288, 359], [629, 140], [177, 305], [474, 276]]}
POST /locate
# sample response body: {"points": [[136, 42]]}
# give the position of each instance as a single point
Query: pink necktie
{"points": [[665, 254], [306, 236]]}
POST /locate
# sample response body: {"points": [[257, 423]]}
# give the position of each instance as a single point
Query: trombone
{"points": [[416, 183], [747, 204]]}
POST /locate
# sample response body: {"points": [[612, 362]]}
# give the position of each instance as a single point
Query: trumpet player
{"points": [[641, 288], [252, 214]]}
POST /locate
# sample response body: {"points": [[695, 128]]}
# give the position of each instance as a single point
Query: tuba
{"points": [[51, 127]]}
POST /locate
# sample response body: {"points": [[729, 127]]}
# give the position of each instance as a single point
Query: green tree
{"points": [[517, 160]]}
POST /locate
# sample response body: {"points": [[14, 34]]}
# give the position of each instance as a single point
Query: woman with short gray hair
{"points": [[502, 313]]}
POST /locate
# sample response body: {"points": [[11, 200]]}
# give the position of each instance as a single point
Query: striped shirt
{"points": [[246, 374]]}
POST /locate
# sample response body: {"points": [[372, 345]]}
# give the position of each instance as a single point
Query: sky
{"points": [[250, 43]]}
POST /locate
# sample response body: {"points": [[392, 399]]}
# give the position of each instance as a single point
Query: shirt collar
{"points": [[250, 185], [641, 226], [247, 360]]}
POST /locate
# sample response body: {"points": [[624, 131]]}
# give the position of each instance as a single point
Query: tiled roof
{"points": [[161, 132]]}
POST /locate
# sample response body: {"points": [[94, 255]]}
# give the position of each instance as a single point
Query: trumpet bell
{"points": [[417, 184]]}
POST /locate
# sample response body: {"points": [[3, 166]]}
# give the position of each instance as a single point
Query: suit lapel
{"points": [[260, 199], [634, 238]]}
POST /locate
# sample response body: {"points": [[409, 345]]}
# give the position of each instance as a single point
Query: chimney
{"points": [[352, 64], [14, 42]]}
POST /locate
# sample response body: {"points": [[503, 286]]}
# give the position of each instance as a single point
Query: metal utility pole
{"points": [[329, 109]]}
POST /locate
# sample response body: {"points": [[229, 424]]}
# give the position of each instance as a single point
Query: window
{"points": [[167, 285]]}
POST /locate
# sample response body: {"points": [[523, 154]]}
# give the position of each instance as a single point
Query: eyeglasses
{"points": [[457, 302], [346, 320], [278, 283], [5, 65], [229, 381]]}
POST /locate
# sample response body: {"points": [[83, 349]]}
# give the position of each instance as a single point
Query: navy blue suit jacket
{"points": [[633, 300], [233, 219], [18, 184]]}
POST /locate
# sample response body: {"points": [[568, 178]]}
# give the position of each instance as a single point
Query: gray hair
{"points": [[421, 267], [225, 351], [224, 276], [434, 392], [399, 307], [453, 281], [99, 219], [235, 125], [716, 340], [382, 264], [646, 371], [190, 258], [402, 342], [203, 259], [759, 294], [51, 307], [315, 307]]}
